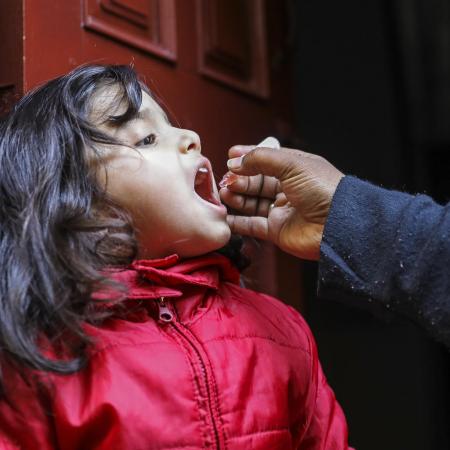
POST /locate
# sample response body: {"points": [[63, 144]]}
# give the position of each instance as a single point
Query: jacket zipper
{"points": [[168, 317]]}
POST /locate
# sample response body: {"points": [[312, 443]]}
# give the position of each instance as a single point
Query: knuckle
{"points": [[249, 205], [256, 156], [248, 184], [260, 184], [251, 158], [262, 208], [254, 185]]}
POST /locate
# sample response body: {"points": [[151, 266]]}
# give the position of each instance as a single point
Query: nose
{"points": [[189, 141]]}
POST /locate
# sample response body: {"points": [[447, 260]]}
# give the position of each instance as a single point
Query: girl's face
{"points": [[166, 183]]}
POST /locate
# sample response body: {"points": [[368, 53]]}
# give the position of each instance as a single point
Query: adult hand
{"points": [[283, 195]]}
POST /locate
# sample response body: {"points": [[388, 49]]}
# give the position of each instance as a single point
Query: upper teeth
{"points": [[203, 170]]}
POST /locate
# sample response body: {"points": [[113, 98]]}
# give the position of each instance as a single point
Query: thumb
{"points": [[267, 161]]}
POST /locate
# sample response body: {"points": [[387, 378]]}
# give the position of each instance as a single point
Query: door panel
{"points": [[146, 25], [232, 44]]}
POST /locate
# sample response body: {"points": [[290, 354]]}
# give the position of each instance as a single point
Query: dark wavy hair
{"points": [[58, 227]]}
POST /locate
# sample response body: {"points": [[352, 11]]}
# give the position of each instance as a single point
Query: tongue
{"points": [[202, 186]]}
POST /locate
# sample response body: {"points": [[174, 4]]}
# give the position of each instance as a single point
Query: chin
{"points": [[207, 244], [224, 239]]}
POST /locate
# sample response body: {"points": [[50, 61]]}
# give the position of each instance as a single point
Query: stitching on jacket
{"points": [[216, 392], [254, 336], [280, 307], [95, 351], [197, 394], [262, 432]]}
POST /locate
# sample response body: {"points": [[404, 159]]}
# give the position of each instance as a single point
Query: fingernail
{"points": [[234, 163], [228, 179]]}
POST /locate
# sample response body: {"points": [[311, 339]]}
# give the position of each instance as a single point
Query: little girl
{"points": [[119, 326]]}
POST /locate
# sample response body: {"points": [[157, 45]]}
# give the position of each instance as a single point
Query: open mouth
{"points": [[204, 185]]}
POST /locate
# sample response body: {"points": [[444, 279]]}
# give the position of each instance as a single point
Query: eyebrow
{"points": [[142, 114]]}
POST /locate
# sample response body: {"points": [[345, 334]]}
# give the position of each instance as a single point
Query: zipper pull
{"points": [[165, 314]]}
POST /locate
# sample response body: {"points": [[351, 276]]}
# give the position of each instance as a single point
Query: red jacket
{"points": [[198, 363]]}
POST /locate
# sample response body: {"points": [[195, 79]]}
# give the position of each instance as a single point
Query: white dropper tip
{"points": [[270, 142]]}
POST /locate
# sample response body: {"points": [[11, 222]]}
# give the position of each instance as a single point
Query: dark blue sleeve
{"points": [[391, 249]]}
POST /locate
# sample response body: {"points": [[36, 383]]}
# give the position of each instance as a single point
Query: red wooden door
{"points": [[214, 65]]}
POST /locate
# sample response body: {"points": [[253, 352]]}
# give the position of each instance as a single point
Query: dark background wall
{"points": [[370, 84]]}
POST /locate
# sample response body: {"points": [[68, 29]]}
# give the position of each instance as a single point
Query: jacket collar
{"points": [[167, 277]]}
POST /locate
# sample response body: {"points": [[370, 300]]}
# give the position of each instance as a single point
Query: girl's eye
{"points": [[148, 140]]}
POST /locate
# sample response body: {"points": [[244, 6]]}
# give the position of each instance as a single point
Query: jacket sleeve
{"points": [[391, 250]]}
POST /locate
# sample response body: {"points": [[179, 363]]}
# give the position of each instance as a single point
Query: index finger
{"points": [[239, 150], [266, 161]]}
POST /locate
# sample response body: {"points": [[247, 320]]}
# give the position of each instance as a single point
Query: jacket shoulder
{"points": [[267, 316]]}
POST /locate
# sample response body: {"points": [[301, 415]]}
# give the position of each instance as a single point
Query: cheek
{"points": [[144, 199], [154, 201], [135, 182]]}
